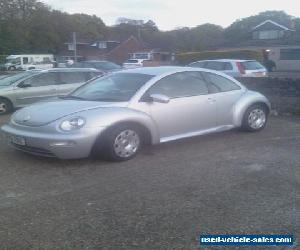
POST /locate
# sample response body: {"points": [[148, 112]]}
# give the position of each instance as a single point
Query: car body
{"points": [[120, 111], [29, 61], [233, 67], [104, 66], [133, 63], [31, 86]]}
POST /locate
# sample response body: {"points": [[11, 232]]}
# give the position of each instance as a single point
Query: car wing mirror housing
{"points": [[24, 85], [159, 98]]}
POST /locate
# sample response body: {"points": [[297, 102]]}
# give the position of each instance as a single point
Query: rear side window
{"points": [[220, 83], [252, 65], [72, 77], [44, 79], [197, 64], [215, 65], [228, 66]]}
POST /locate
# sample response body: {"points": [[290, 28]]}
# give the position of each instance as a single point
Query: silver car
{"points": [[116, 114], [233, 67], [28, 87]]}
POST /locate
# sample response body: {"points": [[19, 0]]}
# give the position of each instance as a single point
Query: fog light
{"points": [[62, 144]]}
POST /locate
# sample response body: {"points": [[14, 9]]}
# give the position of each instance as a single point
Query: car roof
{"points": [[155, 71], [70, 70], [225, 60]]}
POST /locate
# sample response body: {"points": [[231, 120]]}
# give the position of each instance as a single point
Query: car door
{"points": [[226, 93], [190, 109], [70, 81], [36, 88]]}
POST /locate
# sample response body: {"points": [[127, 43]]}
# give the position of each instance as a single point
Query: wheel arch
{"points": [[247, 101]]}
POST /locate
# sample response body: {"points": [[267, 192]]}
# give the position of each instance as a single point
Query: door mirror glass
{"points": [[159, 98]]}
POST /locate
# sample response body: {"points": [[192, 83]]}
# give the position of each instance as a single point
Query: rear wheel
{"points": [[12, 68], [120, 143], [255, 118], [5, 106]]}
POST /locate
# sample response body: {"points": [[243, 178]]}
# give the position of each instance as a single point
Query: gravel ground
{"points": [[231, 182]]}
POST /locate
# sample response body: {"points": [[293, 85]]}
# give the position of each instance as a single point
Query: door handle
{"points": [[211, 100]]}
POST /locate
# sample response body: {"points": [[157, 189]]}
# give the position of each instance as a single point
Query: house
{"points": [[277, 43], [153, 57], [114, 51], [270, 30]]}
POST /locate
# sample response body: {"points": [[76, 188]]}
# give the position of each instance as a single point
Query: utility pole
{"points": [[75, 46]]}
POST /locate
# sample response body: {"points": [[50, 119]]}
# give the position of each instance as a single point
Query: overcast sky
{"points": [[168, 14]]}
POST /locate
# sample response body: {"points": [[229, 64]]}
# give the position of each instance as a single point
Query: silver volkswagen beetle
{"points": [[116, 114]]}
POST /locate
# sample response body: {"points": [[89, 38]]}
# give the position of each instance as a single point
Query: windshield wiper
{"points": [[72, 97]]}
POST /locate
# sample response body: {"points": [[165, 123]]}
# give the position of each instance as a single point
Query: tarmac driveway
{"points": [[230, 182]]}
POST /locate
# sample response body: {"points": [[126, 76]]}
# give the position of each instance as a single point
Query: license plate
{"points": [[259, 74], [18, 140]]}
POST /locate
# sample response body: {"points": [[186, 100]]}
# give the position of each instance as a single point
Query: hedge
{"points": [[186, 58], [2, 58]]}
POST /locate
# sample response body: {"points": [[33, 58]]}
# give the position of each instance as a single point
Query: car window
{"points": [[182, 84], [91, 75], [132, 61], [228, 66], [215, 65], [72, 77], [197, 64], [8, 80], [252, 65], [220, 83], [44, 79], [116, 87]]}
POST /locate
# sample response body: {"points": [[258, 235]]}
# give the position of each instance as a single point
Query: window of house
{"points": [[290, 54], [71, 46], [268, 34], [102, 45]]}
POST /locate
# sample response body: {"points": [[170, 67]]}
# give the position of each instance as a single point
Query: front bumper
{"points": [[75, 145]]}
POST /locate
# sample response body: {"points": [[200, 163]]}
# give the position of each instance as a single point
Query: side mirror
{"points": [[24, 85], [159, 98]]}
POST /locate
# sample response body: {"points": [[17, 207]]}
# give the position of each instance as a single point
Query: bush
{"points": [[2, 58], [186, 58]]}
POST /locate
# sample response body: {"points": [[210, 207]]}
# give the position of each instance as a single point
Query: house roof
{"points": [[274, 23]]}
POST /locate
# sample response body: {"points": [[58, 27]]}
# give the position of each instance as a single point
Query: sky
{"points": [[170, 14]]}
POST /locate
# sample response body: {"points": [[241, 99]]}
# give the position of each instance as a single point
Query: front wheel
{"points": [[121, 143], [12, 68], [5, 106], [255, 118]]}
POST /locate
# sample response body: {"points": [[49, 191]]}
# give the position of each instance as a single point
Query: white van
{"points": [[27, 62]]}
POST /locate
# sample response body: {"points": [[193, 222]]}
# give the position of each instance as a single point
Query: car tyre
{"points": [[12, 68], [5, 106], [121, 143], [255, 118]]}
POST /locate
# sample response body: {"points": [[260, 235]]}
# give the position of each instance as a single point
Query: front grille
{"points": [[33, 150]]}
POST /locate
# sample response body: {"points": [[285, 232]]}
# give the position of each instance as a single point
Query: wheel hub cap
{"points": [[257, 118], [2, 107], [126, 143]]}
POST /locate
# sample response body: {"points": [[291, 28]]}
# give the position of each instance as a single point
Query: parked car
{"points": [[233, 67], [104, 66], [29, 61], [133, 63], [27, 87], [117, 113]]}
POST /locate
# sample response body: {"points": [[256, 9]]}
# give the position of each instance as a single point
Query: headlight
{"points": [[72, 124]]}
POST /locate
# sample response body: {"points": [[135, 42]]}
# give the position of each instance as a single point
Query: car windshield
{"points": [[104, 65], [116, 87], [6, 81]]}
